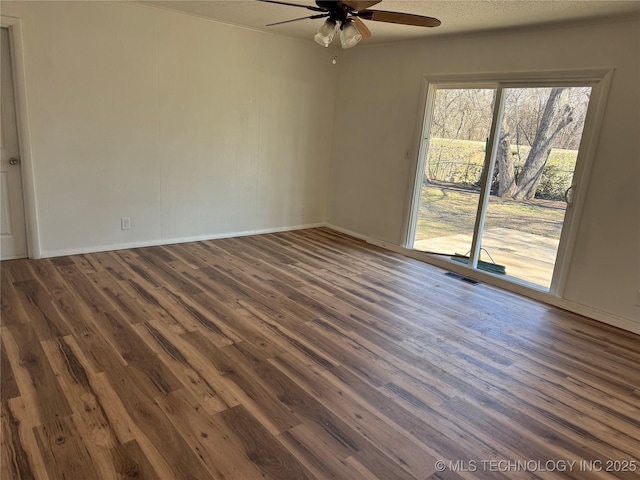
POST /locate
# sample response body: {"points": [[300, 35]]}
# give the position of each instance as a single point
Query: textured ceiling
{"points": [[457, 16]]}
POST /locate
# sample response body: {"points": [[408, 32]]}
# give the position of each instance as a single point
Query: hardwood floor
{"points": [[302, 355]]}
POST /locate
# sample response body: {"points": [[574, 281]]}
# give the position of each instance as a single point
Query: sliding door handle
{"points": [[568, 195]]}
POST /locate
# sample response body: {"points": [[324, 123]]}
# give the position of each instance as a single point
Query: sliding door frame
{"points": [[599, 80]]}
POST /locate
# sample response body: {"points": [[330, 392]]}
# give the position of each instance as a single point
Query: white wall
{"points": [[372, 181], [190, 127]]}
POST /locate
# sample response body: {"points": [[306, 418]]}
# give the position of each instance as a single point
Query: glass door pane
{"points": [[460, 122], [538, 140]]}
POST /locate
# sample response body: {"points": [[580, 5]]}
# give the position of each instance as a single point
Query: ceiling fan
{"points": [[346, 17]]}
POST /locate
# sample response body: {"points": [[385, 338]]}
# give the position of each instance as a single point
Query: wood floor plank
{"points": [[23, 439], [155, 263], [77, 315], [47, 397], [83, 289], [235, 320], [113, 290], [168, 349], [130, 463], [212, 388], [90, 417], [283, 333], [145, 364], [289, 393], [401, 446], [154, 299], [9, 388], [295, 355], [217, 444], [309, 445], [262, 448], [194, 315], [17, 271], [109, 262], [64, 452], [539, 403], [151, 420], [11, 309], [268, 408], [14, 462], [39, 307]]}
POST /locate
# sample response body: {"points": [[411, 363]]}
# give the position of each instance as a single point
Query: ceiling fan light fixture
{"points": [[326, 32], [349, 15], [349, 35]]}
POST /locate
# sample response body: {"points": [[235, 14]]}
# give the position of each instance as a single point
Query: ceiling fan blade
{"points": [[396, 17], [315, 9], [362, 28], [358, 5], [298, 19]]}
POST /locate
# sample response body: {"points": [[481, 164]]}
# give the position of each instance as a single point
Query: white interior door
{"points": [[13, 236]]}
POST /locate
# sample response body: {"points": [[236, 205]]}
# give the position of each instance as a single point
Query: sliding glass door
{"points": [[459, 127], [496, 176]]}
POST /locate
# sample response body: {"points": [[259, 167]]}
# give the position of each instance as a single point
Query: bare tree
{"points": [[543, 124], [557, 115], [506, 168], [535, 120]]}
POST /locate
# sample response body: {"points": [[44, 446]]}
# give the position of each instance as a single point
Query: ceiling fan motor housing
{"points": [[337, 10]]}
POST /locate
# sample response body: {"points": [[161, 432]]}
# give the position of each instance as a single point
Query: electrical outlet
{"points": [[302, 211], [125, 223]]}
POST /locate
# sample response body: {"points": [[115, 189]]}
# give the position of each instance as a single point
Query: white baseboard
{"points": [[170, 241], [359, 236], [539, 295]]}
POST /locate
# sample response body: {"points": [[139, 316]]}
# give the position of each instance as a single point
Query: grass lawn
{"points": [[460, 162], [447, 210], [448, 149]]}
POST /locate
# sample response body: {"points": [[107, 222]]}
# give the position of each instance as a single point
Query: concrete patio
{"points": [[526, 256]]}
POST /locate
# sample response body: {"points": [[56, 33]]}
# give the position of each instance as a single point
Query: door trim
{"points": [[14, 25], [587, 150]]}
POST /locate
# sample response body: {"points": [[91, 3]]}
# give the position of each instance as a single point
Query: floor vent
{"points": [[462, 278]]}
